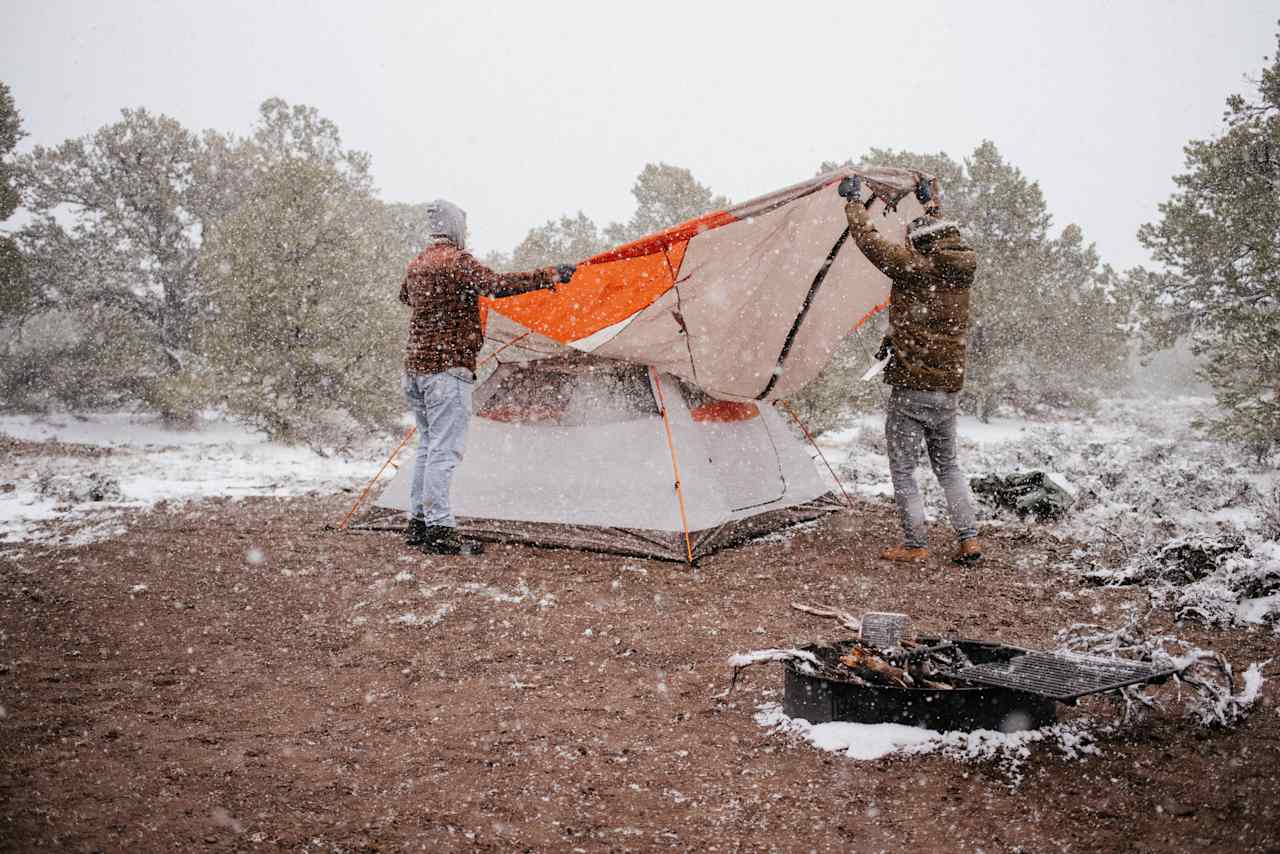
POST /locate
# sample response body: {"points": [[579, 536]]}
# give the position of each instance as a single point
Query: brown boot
{"points": [[905, 554], [970, 551]]}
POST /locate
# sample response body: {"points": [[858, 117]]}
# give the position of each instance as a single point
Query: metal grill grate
{"points": [[1064, 677]]}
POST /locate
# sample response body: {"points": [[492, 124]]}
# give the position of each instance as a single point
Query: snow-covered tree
{"points": [[564, 241], [15, 296], [665, 196], [1218, 239], [116, 223], [303, 332]]}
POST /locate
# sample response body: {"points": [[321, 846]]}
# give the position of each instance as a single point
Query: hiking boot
{"points": [[442, 540], [905, 554], [416, 533], [970, 551]]}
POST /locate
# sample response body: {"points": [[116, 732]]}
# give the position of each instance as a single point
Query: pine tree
{"points": [[564, 241], [110, 258], [15, 295], [304, 331], [665, 196], [1046, 316], [1218, 239]]}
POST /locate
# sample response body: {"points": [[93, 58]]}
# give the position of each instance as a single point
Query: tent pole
{"points": [[848, 502], [503, 347], [675, 466], [407, 436]]}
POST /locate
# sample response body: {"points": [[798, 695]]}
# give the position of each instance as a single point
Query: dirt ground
{"points": [[232, 676]]}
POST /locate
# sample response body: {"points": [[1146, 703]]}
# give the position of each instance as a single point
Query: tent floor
{"points": [[629, 542]]}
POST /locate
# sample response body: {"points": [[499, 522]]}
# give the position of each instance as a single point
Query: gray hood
{"points": [[448, 221]]}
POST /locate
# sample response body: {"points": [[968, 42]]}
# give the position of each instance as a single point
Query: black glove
{"points": [[886, 349], [564, 272], [850, 187], [924, 193]]}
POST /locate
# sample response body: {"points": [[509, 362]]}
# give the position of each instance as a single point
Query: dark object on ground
{"points": [[969, 552], [415, 534], [1026, 493], [827, 697], [1062, 677], [989, 686], [850, 187], [442, 540], [1187, 559]]}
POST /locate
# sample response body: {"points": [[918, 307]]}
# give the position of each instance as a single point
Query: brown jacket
{"points": [[929, 305], [443, 286]]}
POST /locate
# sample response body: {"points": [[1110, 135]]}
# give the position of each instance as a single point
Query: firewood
{"points": [[877, 668]]}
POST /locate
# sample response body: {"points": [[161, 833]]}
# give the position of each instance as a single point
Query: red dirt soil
{"points": [[265, 691]]}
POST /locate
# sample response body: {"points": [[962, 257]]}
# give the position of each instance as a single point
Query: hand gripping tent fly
{"points": [[628, 412]]}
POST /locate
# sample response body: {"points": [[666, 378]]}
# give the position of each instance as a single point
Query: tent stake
{"points": [[848, 502], [675, 466], [369, 485]]}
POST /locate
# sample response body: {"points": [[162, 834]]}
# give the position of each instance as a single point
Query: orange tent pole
{"points": [[848, 502], [503, 347], [407, 436], [675, 466]]}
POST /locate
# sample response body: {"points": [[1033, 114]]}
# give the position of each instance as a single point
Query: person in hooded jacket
{"points": [[928, 322], [443, 286]]}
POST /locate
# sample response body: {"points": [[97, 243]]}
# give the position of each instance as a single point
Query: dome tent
{"points": [[575, 451], [661, 442]]}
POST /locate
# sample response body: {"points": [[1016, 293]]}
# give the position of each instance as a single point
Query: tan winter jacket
{"points": [[929, 304]]}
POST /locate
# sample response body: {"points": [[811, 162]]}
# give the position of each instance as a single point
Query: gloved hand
{"points": [[850, 187], [564, 272], [886, 348], [924, 193]]}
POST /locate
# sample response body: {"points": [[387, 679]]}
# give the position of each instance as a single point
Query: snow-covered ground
{"points": [[1145, 481], [132, 463]]}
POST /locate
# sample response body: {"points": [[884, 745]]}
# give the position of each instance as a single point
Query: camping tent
{"points": [[748, 303], [575, 451], [663, 442]]}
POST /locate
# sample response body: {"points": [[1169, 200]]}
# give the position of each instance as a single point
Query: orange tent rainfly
{"points": [[747, 304]]}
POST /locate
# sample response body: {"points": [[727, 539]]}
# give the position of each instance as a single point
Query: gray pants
{"points": [[441, 405], [929, 416]]}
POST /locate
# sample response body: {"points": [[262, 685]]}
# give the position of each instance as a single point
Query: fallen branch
{"points": [[844, 618], [807, 662]]}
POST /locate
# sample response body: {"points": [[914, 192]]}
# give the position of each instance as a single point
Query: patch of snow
{"points": [[865, 742], [148, 463], [760, 656]]}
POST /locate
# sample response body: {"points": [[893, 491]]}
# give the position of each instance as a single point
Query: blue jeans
{"points": [[441, 406], [929, 416]]}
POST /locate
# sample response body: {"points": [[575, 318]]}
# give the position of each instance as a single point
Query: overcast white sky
{"points": [[522, 111]]}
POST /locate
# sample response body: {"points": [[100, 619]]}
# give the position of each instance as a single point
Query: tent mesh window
{"points": [[566, 395]]}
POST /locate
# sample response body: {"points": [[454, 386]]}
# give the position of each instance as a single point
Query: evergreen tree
{"points": [[665, 196], [15, 295], [304, 331], [1218, 239], [115, 231], [566, 241]]}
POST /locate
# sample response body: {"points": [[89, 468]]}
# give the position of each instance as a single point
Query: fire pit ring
{"points": [[966, 707]]}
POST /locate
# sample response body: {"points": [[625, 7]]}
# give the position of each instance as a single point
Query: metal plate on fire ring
{"points": [[1064, 677]]}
